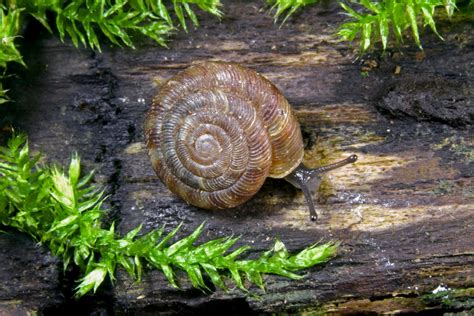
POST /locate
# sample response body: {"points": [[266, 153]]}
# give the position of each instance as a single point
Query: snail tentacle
{"points": [[308, 180]]}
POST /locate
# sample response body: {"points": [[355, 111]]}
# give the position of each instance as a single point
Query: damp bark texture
{"points": [[404, 213]]}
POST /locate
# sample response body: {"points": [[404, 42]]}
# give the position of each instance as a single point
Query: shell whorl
{"points": [[216, 130]]}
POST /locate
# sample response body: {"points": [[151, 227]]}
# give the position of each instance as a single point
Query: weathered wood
{"points": [[28, 274], [404, 213]]}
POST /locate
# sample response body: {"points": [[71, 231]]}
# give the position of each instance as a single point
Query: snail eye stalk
{"points": [[306, 179]]}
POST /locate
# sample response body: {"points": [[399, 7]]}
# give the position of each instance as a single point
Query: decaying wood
{"points": [[404, 213]]}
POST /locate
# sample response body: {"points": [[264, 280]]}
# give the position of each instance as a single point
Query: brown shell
{"points": [[216, 130]]}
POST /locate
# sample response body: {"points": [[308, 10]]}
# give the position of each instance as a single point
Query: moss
{"points": [[468, 192], [457, 145], [370, 138], [458, 299], [443, 187], [448, 300], [390, 305]]}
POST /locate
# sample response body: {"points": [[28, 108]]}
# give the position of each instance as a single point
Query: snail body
{"points": [[217, 130]]}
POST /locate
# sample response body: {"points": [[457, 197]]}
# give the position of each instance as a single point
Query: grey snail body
{"points": [[217, 130]]}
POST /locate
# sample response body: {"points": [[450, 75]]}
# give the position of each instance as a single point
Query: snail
{"points": [[217, 130]]}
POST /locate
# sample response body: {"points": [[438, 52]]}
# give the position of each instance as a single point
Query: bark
{"points": [[404, 213]]}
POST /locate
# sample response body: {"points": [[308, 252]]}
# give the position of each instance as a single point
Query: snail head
{"points": [[308, 180]]}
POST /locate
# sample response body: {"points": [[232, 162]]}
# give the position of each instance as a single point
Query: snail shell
{"points": [[217, 130]]}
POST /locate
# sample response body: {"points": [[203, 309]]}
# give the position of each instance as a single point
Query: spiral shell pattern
{"points": [[216, 130]]}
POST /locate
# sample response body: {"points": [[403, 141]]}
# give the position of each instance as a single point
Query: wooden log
{"points": [[29, 276], [404, 213]]}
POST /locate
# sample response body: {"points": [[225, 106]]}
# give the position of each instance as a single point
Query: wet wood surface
{"points": [[404, 213]]}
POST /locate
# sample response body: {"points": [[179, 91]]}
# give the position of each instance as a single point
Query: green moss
{"points": [[458, 299], [118, 20], [451, 299], [370, 137], [443, 187], [457, 145], [64, 211], [468, 192]]}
